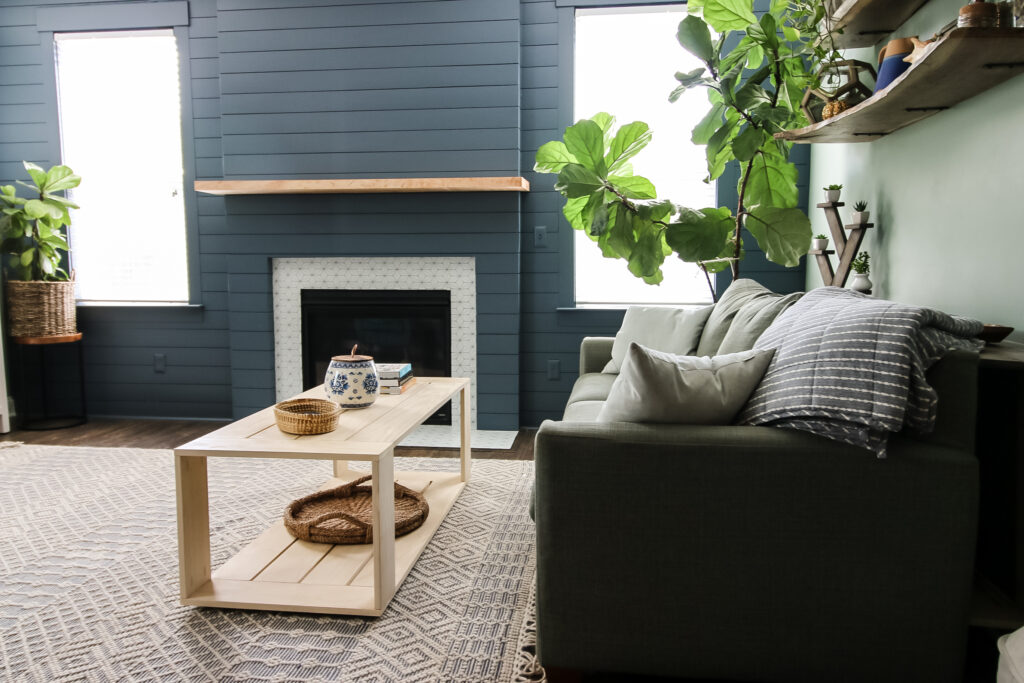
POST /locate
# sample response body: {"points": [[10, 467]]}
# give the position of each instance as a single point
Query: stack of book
{"points": [[395, 378]]}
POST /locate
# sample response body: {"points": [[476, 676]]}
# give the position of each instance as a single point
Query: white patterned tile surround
{"points": [[456, 274]]}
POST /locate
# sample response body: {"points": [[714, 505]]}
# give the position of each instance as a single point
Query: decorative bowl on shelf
{"points": [[993, 334]]}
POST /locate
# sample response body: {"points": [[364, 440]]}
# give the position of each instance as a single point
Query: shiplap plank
{"points": [[367, 15], [489, 31]]}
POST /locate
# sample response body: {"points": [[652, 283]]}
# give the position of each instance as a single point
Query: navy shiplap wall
{"points": [[347, 88], [383, 89], [120, 342]]}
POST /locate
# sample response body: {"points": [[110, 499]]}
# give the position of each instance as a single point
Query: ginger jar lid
{"points": [[352, 357]]}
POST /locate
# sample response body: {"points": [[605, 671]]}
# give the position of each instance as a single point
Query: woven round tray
{"points": [[307, 416], [344, 514]]}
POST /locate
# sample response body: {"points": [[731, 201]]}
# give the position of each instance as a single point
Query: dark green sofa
{"points": [[754, 553]]}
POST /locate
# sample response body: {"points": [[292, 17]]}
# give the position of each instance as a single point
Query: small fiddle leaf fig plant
{"points": [[32, 229], [861, 264]]}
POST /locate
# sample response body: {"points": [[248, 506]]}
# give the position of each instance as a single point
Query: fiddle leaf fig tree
{"points": [[31, 229], [755, 73]]}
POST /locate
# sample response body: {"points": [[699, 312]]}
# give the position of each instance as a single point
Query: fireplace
{"points": [[292, 277], [393, 326]]}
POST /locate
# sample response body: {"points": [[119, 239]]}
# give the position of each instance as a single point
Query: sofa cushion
{"points": [[672, 330], [593, 386], [665, 388], [750, 307], [582, 411]]}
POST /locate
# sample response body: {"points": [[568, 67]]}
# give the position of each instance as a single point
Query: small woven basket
{"points": [[41, 309], [307, 416], [344, 515]]}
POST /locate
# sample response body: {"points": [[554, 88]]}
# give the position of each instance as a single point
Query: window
{"points": [[625, 59], [119, 104]]}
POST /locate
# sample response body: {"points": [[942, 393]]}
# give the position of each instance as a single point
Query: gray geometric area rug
{"points": [[89, 582]]}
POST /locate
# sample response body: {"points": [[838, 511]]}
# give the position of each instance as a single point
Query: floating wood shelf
{"points": [[865, 22], [963, 63], [363, 185]]}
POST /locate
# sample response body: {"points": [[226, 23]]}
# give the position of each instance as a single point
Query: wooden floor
{"points": [[138, 433]]}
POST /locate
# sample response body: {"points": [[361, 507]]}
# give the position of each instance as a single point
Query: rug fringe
{"points": [[528, 668]]}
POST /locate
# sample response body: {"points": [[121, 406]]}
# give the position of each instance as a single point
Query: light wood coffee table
{"points": [[278, 572]]}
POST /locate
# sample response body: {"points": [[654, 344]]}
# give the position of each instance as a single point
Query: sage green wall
{"points": [[945, 196]]}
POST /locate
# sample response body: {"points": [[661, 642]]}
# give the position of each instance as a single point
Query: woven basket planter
{"points": [[41, 309]]}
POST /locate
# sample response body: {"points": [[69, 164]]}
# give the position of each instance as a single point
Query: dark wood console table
{"points": [[1000, 449]]}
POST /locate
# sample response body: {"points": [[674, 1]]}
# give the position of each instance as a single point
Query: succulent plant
{"points": [[860, 206]]}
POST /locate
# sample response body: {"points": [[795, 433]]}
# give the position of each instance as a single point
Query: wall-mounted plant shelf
{"points": [[958, 66], [363, 185], [865, 22]]}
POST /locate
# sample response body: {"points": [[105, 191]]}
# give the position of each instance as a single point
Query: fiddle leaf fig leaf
{"points": [[628, 141], [700, 235], [746, 144], [552, 157], [585, 141], [647, 256], [783, 234], [600, 222], [621, 237], [729, 15], [575, 180], [695, 37], [634, 187], [772, 181], [703, 131]]}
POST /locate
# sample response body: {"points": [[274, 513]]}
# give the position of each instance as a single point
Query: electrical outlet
{"points": [[554, 369], [540, 236], [160, 362]]}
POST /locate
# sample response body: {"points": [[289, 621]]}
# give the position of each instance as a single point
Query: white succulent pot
{"points": [[819, 244], [861, 217], [861, 283], [832, 195]]}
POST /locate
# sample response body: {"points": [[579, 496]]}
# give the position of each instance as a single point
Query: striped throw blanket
{"points": [[852, 368]]}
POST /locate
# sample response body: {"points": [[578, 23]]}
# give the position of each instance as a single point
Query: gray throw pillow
{"points": [[673, 330], [666, 388]]}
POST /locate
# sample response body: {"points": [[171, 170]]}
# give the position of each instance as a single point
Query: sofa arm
{"points": [[595, 352], [751, 553]]}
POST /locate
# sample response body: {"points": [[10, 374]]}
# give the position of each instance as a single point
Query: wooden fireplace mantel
{"points": [[363, 185]]}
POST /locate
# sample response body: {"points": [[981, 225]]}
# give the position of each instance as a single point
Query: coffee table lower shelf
{"points": [[278, 572]]}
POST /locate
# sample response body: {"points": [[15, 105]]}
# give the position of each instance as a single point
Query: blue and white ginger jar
{"points": [[351, 381]]}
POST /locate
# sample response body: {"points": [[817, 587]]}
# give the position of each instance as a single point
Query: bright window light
{"points": [[625, 61], [120, 121]]}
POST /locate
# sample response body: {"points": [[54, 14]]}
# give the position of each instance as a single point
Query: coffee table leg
{"points": [[383, 529], [193, 523], [466, 424], [341, 469]]}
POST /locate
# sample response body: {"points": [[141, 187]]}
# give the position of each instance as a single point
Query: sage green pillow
{"points": [[663, 328], [749, 304], [665, 388]]}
